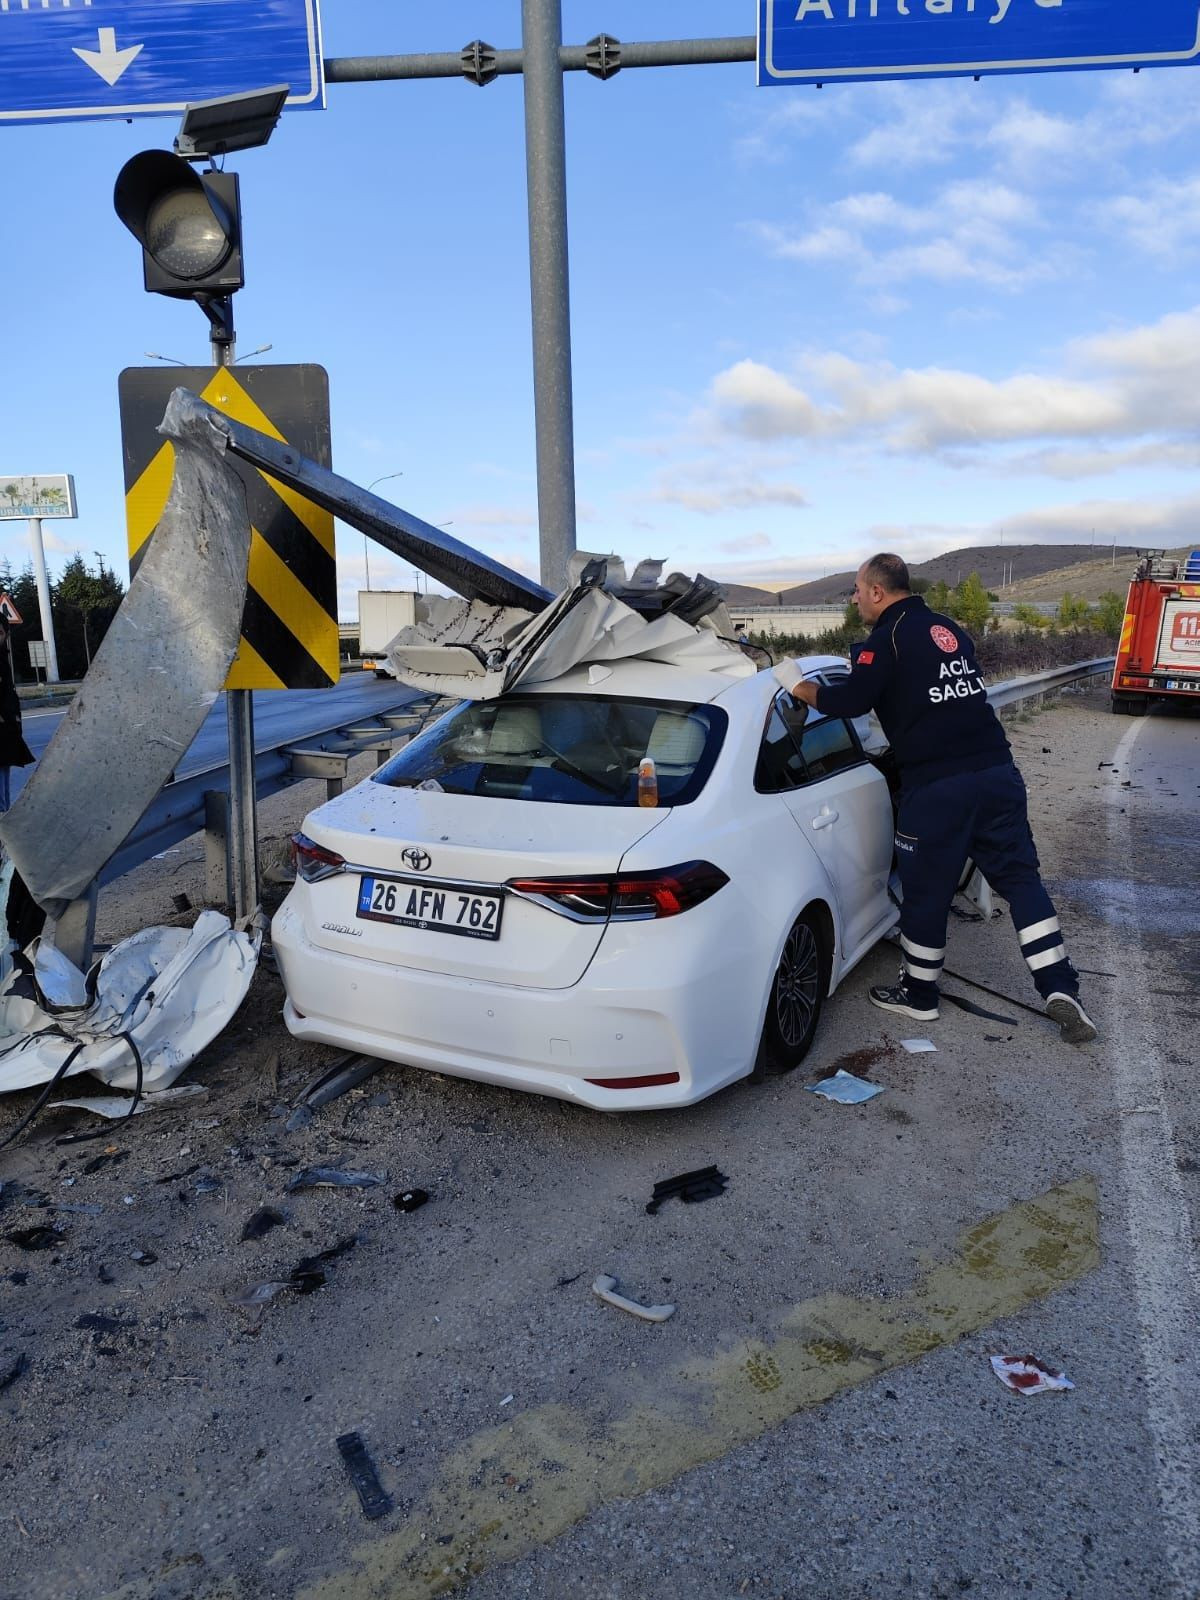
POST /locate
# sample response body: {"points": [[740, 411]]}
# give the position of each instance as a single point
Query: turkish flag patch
{"points": [[865, 657]]}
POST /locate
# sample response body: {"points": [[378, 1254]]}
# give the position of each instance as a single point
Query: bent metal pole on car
{"points": [[460, 567]]}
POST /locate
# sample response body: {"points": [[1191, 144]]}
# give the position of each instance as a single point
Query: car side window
{"points": [[779, 765], [829, 746]]}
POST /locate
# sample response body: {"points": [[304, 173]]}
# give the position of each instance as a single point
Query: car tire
{"points": [[798, 992]]}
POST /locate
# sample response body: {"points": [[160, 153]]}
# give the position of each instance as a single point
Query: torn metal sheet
{"points": [[476, 653], [116, 1107], [150, 686], [418, 543], [171, 990]]}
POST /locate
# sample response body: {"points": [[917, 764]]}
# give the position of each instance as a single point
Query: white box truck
{"points": [[381, 615]]}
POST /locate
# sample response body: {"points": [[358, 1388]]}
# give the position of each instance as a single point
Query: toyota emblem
{"points": [[418, 860]]}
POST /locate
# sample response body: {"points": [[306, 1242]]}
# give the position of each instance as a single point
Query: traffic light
{"points": [[188, 224]]}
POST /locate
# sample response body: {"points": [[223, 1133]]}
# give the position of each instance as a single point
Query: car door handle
{"points": [[825, 819]]}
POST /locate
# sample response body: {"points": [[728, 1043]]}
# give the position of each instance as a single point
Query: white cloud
{"points": [[1132, 384], [747, 542], [710, 499], [971, 231]]}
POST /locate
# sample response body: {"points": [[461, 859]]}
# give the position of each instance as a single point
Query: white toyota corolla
{"points": [[505, 901]]}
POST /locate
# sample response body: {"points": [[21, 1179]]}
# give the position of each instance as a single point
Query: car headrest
{"points": [[676, 741]]}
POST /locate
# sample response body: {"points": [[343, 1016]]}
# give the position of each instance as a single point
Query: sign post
{"points": [[831, 41], [32, 499], [64, 61]]}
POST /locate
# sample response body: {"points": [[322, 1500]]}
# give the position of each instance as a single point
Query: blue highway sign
{"points": [[63, 59], [827, 41]]}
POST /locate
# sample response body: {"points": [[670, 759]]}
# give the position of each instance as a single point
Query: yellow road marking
{"points": [[509, 1489]]}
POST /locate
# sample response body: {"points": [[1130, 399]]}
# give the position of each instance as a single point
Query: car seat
{"points": [[516, 735]]}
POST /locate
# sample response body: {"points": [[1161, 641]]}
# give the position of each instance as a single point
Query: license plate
{"points": [[435, 907]]}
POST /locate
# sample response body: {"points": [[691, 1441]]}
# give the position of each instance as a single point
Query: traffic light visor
{"points": [[186, 223]]}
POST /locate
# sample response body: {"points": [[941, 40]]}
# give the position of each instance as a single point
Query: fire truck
{"points": [[1159, 654]]}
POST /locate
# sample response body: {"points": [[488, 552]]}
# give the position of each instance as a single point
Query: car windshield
{"points": [[580, 750]]}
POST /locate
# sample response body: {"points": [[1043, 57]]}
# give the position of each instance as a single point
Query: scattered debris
{"points": [[845, 1088], [144, 1258], [372, 1497], [1028, 1375], [263, 1220], [41, 1238], [345, 1074], [410, 1200], [916, 1047], [107, 1158], [307, 1275], [703, 1184], [998, 1038], [206, 1184], [605, 1288], [20, 1365], [508, 1400], [117, 1106], [335, 1178]]}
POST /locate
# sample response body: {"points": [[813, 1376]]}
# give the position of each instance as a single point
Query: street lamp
{"points": [[366, 558]]}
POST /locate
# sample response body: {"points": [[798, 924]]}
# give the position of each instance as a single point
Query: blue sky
{"points": [[806, 323]]}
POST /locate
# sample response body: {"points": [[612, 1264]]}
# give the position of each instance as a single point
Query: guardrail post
{"points": [[74, 932], [218, 876]]}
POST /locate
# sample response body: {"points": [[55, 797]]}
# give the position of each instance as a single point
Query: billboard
{"points": [[41, 496]]}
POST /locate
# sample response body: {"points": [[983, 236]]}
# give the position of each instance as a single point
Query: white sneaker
{"points": [[1073, 1021]]}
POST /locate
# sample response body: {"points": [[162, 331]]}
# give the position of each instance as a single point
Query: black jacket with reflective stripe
{"points": [[917, 672]]}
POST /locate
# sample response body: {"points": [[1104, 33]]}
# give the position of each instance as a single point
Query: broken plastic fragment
{"points": [[335, 1178], [263, 1220], [605, 1288], [703, 1184], [372, 1497], [410, 1200]]}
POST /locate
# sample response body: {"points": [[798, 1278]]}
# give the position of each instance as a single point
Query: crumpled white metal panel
{"points": [[171, 989]]}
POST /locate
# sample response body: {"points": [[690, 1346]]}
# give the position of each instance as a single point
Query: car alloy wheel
{"points": [[794, 1007]]}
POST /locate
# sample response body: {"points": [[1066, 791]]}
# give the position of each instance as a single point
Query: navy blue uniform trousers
{"points": [[982, 816]]}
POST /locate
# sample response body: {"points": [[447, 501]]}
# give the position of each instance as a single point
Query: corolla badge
{"points": [[419, 860]]}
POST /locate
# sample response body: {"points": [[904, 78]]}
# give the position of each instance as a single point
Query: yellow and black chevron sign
{"points": [[289, 627]]}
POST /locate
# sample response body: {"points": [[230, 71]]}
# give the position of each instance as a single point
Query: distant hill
{"points": [[1090, 579], [1029, 563]]}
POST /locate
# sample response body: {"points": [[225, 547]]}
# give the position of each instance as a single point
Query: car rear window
{"points": [[578, 750]]}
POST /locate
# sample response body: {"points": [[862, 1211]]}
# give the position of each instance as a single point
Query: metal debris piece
{"points": [[335, 1178], [159, 670], [117, 1106], [605, 1287], [372, 1497], [263, 1220], [703, 1184], [306, 1276]]}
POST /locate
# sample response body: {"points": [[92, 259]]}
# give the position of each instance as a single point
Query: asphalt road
{"points": [[279, 714], [818, 1421]]}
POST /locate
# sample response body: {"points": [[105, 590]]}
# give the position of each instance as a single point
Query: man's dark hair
{"points": [[889, 572]]}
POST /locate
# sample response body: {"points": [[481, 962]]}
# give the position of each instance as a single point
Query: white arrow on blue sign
{"points": [[64, 59], [826, 41]]}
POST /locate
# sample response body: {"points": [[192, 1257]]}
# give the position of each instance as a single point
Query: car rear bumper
{"points": [[544, 1041]]}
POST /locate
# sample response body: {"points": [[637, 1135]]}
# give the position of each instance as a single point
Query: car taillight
{"points": [[312, 861], [629, 897]]}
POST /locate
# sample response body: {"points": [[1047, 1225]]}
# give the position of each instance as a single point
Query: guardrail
{"points": [[200, 799], [1039, 684], [194, 801]]}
